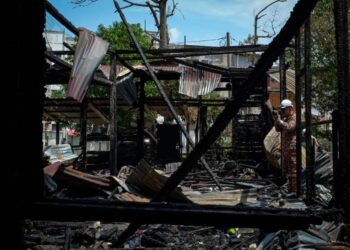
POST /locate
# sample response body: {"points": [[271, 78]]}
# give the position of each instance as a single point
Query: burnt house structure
{"points": [[23, 181]]}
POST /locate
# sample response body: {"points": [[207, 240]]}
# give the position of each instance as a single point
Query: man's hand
{"points": [[276, 115]]}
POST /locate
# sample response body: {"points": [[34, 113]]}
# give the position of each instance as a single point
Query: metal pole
{"points": [[310, 185], [298, 110]]}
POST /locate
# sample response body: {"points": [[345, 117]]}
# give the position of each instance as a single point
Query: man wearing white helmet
{"points": [[286, 124]]}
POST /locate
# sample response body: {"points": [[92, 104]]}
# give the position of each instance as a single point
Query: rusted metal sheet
{"points": [[194, 82], [88, 55]]}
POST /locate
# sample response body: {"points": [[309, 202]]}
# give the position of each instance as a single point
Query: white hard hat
{"points": [[286, 103]]}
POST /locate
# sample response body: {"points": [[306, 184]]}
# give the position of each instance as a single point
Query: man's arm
{"points": [[287, 126]]}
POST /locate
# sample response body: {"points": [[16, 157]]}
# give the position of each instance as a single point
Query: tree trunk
{"points": [[163, 29]]}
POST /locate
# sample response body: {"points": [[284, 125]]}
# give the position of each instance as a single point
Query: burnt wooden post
{"points": [[283, 78], [57, 133], [113, 143], [298, 110], [162, 92], [341, 9], [282, 73], [232, 122], [141, 119], [310, 185], [335, 155], [196, 130], [188, 131], [301, 11], [203, 121], [83, 124]]}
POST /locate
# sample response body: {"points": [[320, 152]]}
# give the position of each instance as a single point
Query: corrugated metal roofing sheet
{"points": [[194, 82], [88, 55]]}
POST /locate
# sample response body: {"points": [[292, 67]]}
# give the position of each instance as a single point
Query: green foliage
{"points": [[323, 56], [125, 118], [171, 88], [98, 91], [118, 37]]}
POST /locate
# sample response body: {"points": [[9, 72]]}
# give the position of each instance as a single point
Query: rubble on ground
{"points": [[242, 185]]}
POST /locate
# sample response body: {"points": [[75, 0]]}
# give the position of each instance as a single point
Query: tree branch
{"points": [[171, 13], [154, 14], [83, 2], [136, 4]]}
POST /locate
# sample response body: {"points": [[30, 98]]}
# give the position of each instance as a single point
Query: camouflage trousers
{"points": [[290, 165]]}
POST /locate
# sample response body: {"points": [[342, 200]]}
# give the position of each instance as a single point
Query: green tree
{"points": [[323, 56], [118, 37]]}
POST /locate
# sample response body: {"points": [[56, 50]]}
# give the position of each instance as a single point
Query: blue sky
{"points": [[199, 19]]}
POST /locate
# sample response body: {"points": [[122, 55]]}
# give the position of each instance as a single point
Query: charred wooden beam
{"points": [[141, 119], [194, 64], [113, 119], [341, 10], [335, 156], [56, 14], [162, 92], [83, 127], [310, 185], [301, 11], [298, 110], [57, 133], [178, 214], [62, 52], [178, 55], [230, 49], [283, 78], [98, 112]]}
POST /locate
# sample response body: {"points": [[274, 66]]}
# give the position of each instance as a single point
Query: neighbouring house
{"points": [[273, 86]]}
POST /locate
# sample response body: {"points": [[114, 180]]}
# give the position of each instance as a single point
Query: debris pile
{"points": [[242, 185]]}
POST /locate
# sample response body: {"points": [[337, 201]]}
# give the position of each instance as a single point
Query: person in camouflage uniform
{"points": [[286, 124]]}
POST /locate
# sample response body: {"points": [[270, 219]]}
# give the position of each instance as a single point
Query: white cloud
{"points": [[174, 35]]}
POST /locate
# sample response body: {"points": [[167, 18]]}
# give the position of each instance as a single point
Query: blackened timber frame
{"points": [[301, 12], [174, 213], [113, 119], [341, 9], [310, 185], [298, 110], [35, 76]]}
